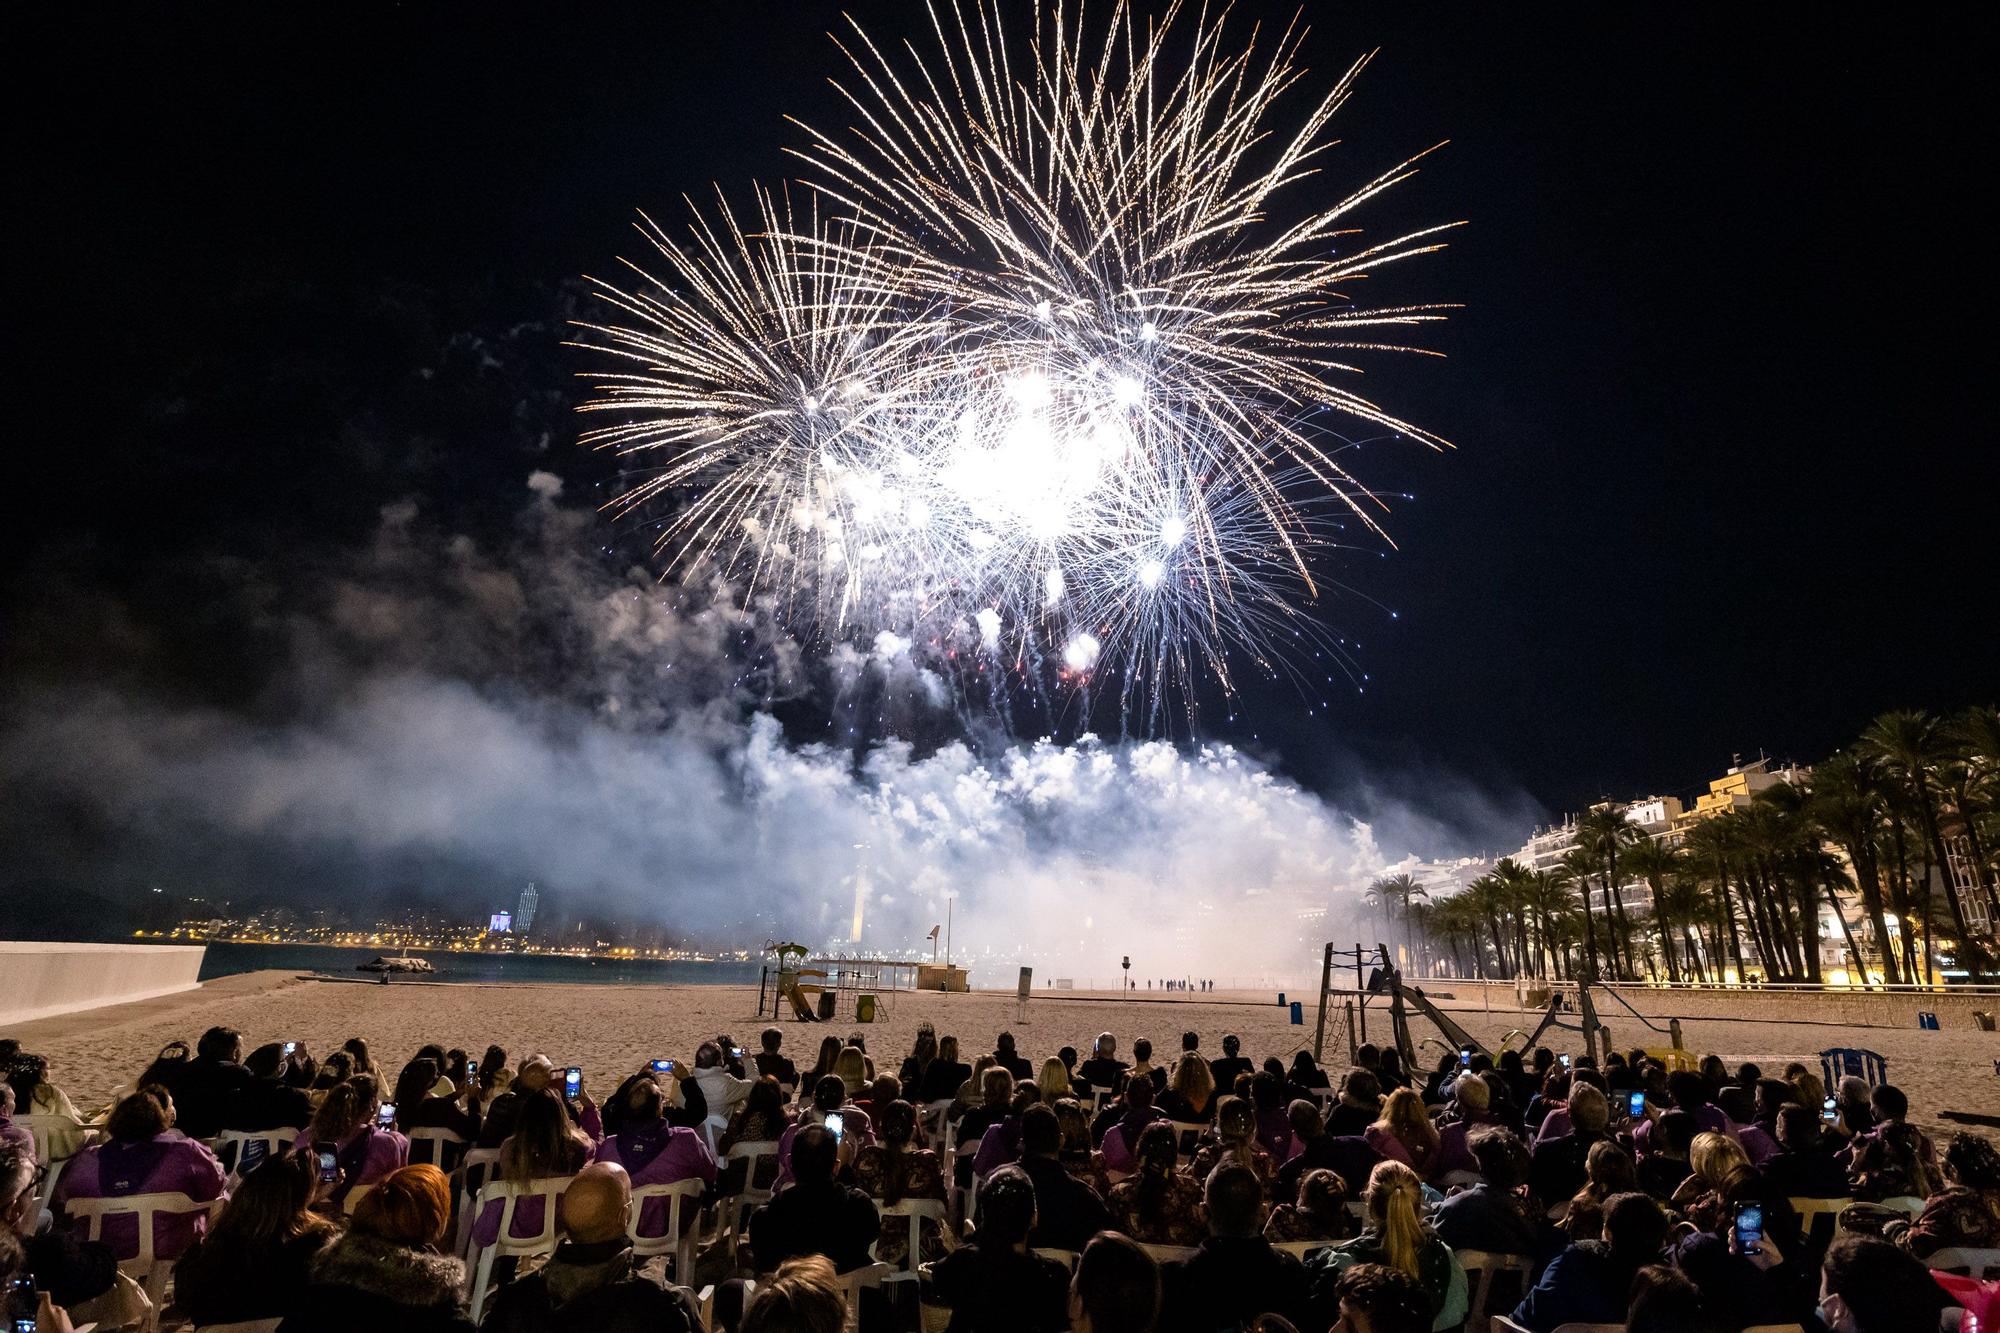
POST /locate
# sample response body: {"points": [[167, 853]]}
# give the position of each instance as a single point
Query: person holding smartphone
{"points": [[350, 1121], [268, 1101]]}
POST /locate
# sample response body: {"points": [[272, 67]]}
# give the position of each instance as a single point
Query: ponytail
{"points": [[1394, 1197]]}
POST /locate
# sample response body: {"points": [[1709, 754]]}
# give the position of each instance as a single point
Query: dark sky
{"points": [[1720, 390]]}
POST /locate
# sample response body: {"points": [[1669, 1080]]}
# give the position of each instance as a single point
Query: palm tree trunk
{"points": [[1970, 953], [1853, 949], [1868, 878], [1729, 918]]}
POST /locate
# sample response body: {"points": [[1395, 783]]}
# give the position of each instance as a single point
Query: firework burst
{"points": [[1035, 379]]}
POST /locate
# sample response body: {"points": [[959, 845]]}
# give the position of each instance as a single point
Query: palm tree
{"points": [[1488, 896], [1606, 832], [1653, 861], [1847, 802], [1579, 863], [1546, 897], [1708, 845], [1681, 899], [1973, 779], [1911, 750], [1391, 896]]}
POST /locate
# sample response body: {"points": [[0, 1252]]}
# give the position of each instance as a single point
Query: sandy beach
{"points": [[612, 1030]]}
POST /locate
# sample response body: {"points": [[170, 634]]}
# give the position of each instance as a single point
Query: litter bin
{"points": [[1298, 1012], [826, 1004], [864, 1008]]}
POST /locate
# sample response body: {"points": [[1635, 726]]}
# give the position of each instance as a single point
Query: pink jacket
{"points": [[169, 1164], [659, 1154]]}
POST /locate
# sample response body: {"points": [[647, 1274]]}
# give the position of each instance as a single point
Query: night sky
{"points": [[1724, 479]]}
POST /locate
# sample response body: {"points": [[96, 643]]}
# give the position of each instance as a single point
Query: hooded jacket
{"points": [[362, 1282]]}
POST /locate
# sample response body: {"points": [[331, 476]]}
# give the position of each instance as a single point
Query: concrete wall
{"points": [[39, 980]]}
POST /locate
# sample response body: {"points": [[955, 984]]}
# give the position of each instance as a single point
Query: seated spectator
{"points": [[1077, 1157], [1724, 1178], [818, 1214], [1223, 1072], [770, 1064], [922, 1052], [1590, 1282], [1966, 1212], [1160, 1205], [1234, 1275], [544, 1144], [1235, 1143], [1349, 1157], [1394, 1233], [1759, 1137], [992, 1284], [347, 1122], [1608, 1171], [35, 1094], [1143, 1066], [829, 1097], [1133, 1114], [143, 1154], [1688, 1092], [761, 1118], [1466, 1109], [1067, 1211], [1320, 1212], [1804, 1167], [1665, 1301], [1375, 1298], [1741, 1289], [1103, 1071], [1054, 1081], [204, 1087], [854, 1068], [1404, 1133], [1007, 1058], [1190, 1094], [533, 1075], [1556, 1121], [894, 1168], [1274, 1124], [1116, 1288], [1895, 1159], [944, 1076], [335, 1070], [256, 1260], [592, 1283], [649, 1150], [1305, 1079], [1390, 1072], [1869, 1286], [267, 1100], [723, 1091], [829, 1053], [11, 1133], [70, 1271], [421, 1105], [885, 1088], [1557, 1168], [804, 1296], [1360, 1105], [1662, 1171], [386, 1273], [1853, 1106], [1496, 1216]]}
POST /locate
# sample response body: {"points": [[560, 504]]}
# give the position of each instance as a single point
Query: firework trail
{"points": [[1036, 379]]}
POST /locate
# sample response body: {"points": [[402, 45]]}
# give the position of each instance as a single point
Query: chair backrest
{"points": [[1188, 1135], [1775, 1328], [510, 1193], [755, 1157], [1480, 1266], [681, 1196], [1840, 1062], [234, 1148], [145, 1207], [1168, 1253], [436, 1141], [243, 1326], [49, 1130], [916, 1210], [1301, 1248], [480, 1168], [935, 1119], [1905, 1203], [868, 1275], [1978, 1264], [1067, 1258], [1811, 1212]]}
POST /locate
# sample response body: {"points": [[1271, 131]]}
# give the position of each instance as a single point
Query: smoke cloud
{"points": [[468, 719]]}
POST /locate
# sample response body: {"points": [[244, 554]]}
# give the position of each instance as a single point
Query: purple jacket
{"points": [[13, 1133], [659, 1154], [169, 1164], [1000, 1146], [855, 1125]]}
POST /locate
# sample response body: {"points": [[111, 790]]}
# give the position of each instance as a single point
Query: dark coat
{"points": [[1227, 1282], [592, 1289], [360, 1282]]}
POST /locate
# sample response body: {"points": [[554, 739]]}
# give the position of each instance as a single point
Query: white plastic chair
{"points": [[1165, 1254], [480, 1168], [49, 1132], [868, 1275], [509, 1193], [750, 1195], [1480, 1266], [1067, 1258], [682, 1218], [1299, 1249], [916, 1210], [434, 1155], [268, 1142], [1188, 1135], [243, 1326], [147, 1267], [1978, 1264], [935, 1118], [959, 1195], [1904, 1203]]}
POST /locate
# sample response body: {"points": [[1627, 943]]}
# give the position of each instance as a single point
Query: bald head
{"points": [[594, 1206]]}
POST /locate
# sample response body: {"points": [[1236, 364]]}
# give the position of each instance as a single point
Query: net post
{"points": [[1325, 981]]}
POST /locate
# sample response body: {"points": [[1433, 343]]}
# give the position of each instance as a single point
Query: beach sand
{"points": [[613, 1030]]}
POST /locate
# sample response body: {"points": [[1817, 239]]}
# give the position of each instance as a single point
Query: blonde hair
{"points": [[852, 1067], [1053, 1080], [1393, 1202], [1718, 1159], [1811, 1090], [1191, 1081], [1589, 1109], [1404, 1118]]}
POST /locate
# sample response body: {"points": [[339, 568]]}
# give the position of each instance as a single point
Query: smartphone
{"points": [[1465, 1057], [663, 1066], [572, 1081], [1829, 1112], [1637, 1107], [387, 1115], [835, 1124], [736, 1051], [329, 1163], [1749, 1227], [291, 1047], [23, 1304], [1564, 1057]]}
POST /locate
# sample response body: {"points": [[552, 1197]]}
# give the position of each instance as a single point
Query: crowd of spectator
{"points": [[1086, 1192]]}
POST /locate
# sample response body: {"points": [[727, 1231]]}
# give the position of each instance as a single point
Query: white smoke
{"points": [[497, 719]]}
